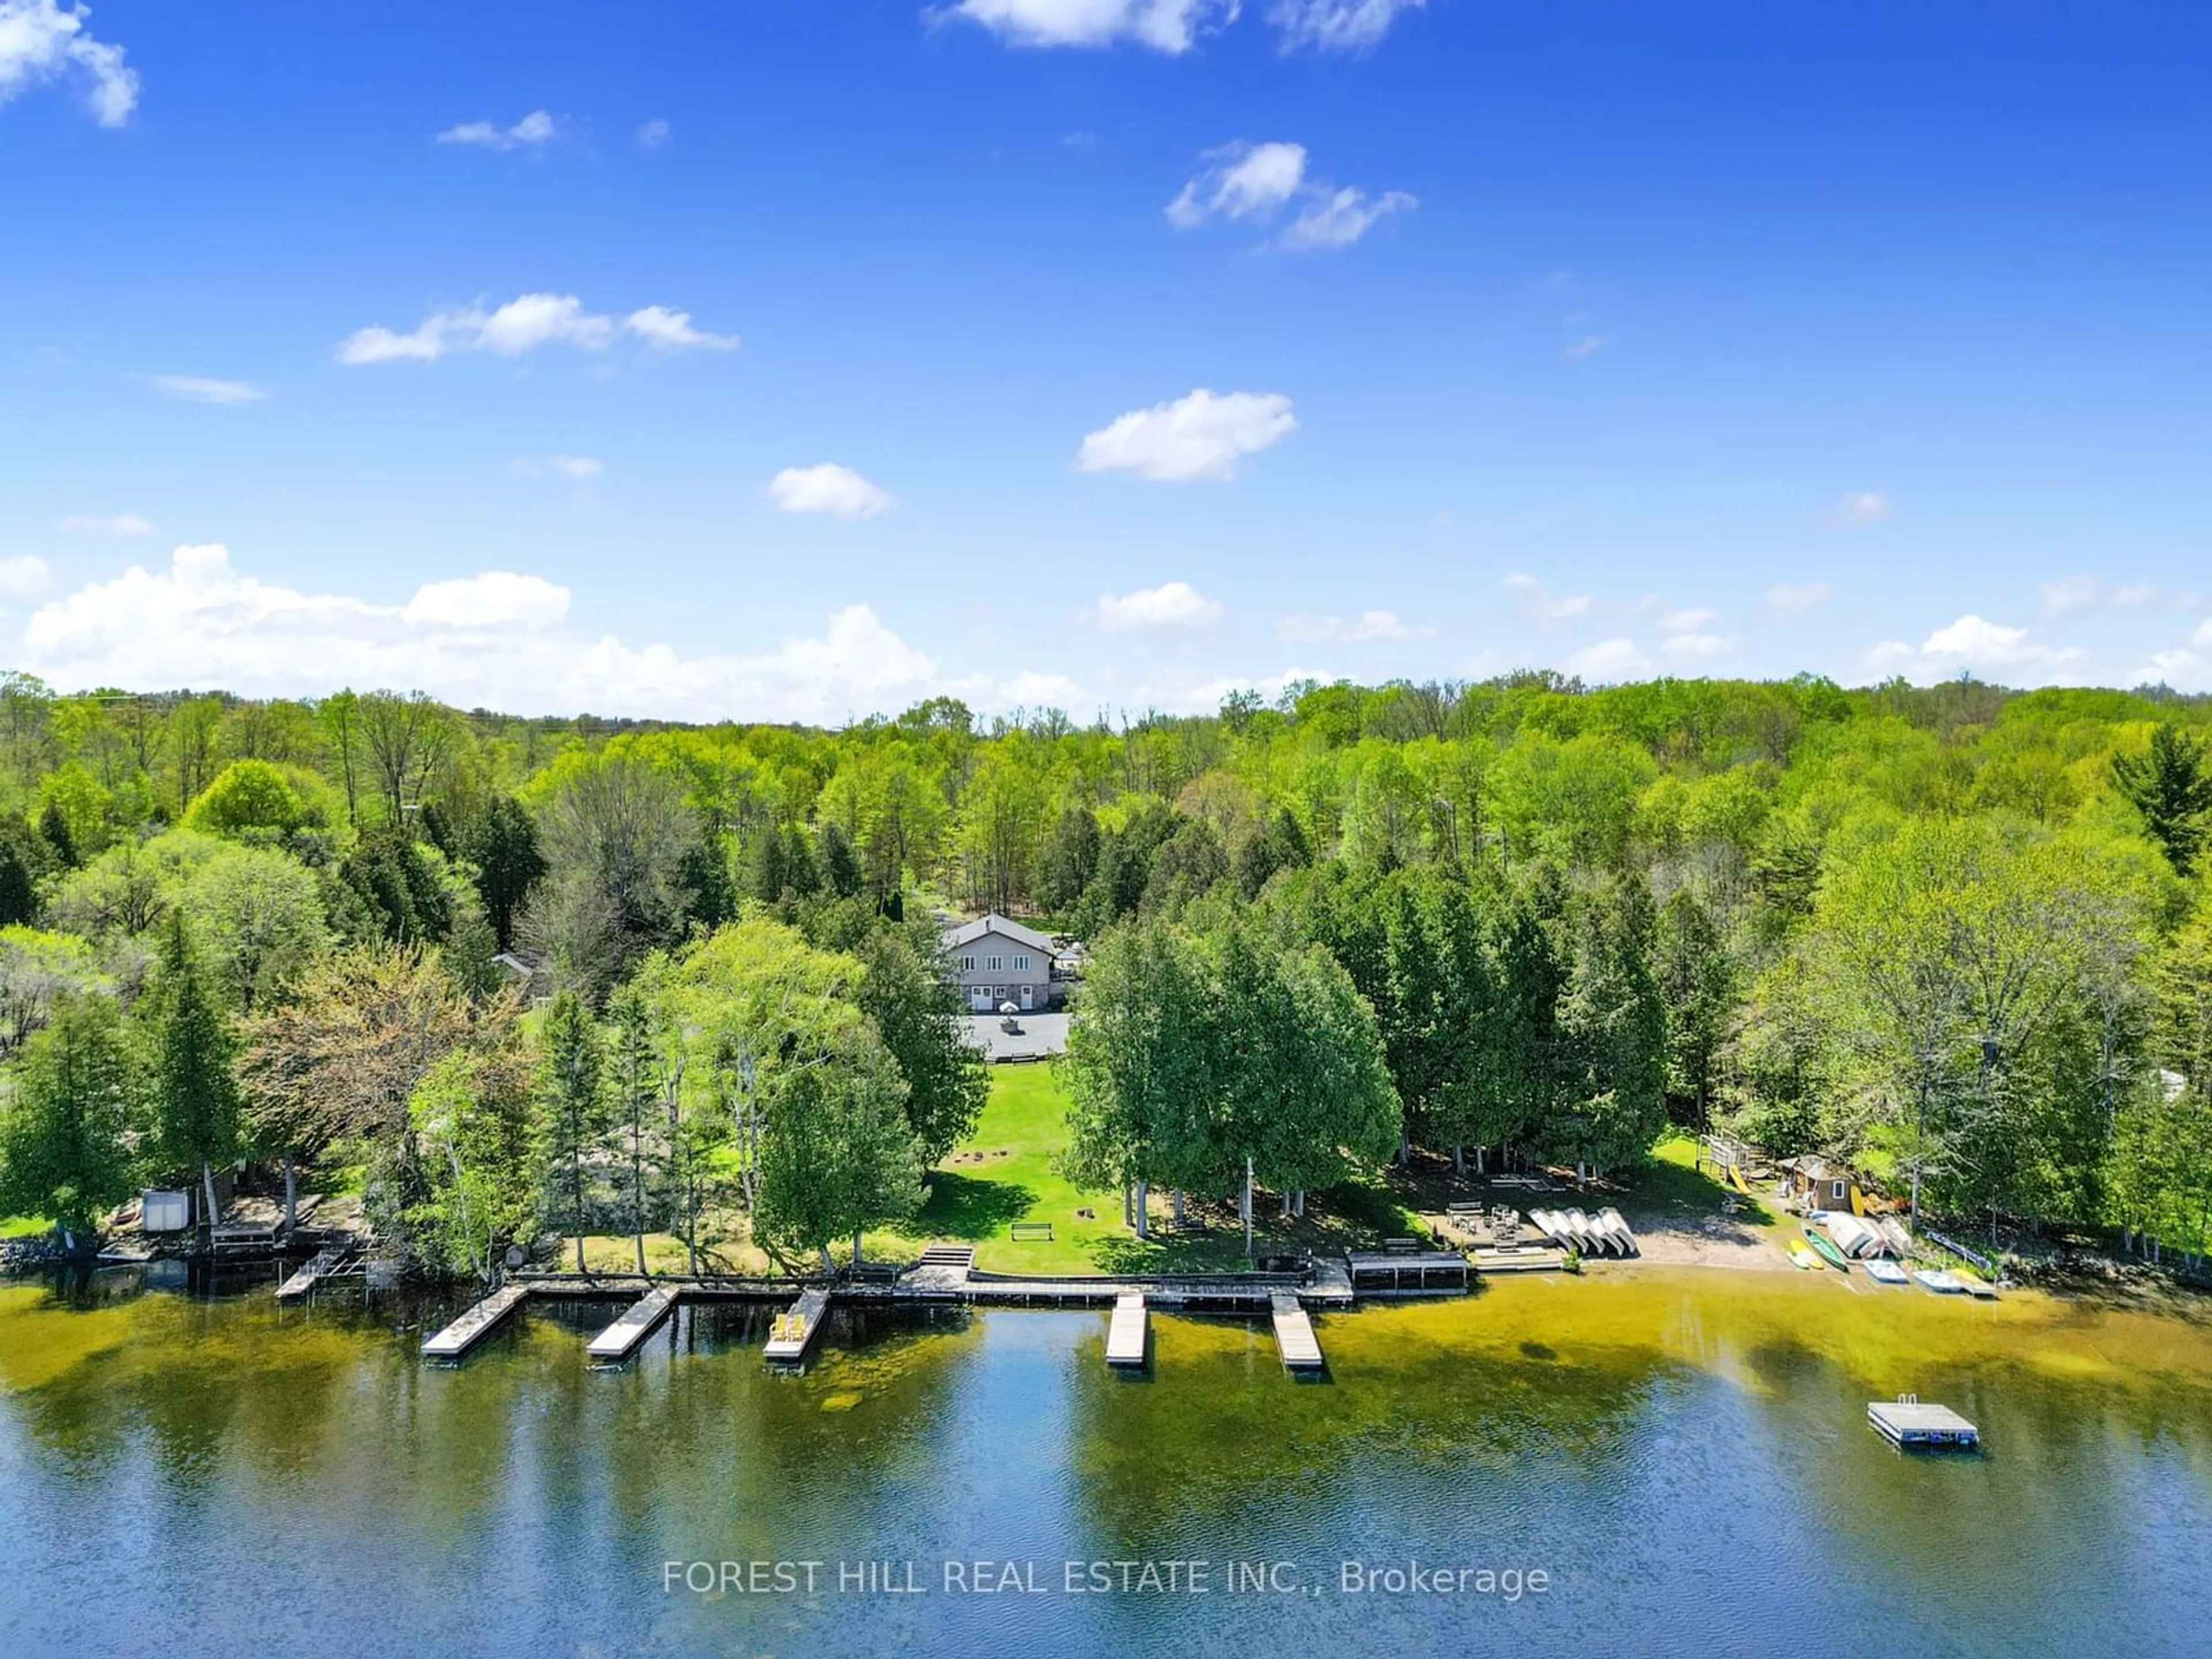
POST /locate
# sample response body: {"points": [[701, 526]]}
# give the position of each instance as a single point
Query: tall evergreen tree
{"points": [[505, 851], [2171, 785], [572, 1086], [64, 1137], [198, 1111]]}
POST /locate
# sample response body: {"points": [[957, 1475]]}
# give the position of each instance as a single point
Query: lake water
{"points": [[1683, 1457]]}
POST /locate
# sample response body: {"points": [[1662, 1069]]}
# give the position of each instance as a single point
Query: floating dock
{"points": [[478, 1323], [795, 1332], [1294, 1333], [326, 1264], [1126, 1335], [1907, 1424], [621, 1339]]}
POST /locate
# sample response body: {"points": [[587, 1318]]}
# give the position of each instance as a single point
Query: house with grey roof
{"points": [[996, 962]]}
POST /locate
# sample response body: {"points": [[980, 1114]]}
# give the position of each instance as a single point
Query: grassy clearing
{"points": [[1007, 1173], [23, 1226], [1673, 1185]]}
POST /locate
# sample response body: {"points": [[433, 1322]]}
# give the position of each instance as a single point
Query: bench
{"points": [[1031, 1232]]}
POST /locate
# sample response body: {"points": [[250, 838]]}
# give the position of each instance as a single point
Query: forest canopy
{"points": [[628, 974]]}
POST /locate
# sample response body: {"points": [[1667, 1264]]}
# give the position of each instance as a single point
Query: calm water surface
{"points": [[1682, 1454]]}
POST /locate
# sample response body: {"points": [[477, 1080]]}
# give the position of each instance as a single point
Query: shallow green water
{"points": [[1682, 1455]]}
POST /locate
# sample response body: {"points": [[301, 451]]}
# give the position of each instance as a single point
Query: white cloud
{"points": [[2184, 670], [1336, 25], [1695, 647], [1198, 436], [1169, 26], [199, 389], [581, 468], [1609, 661], [500, 639], [670, 331], [1240, 181], [111, 523], [498, 598], [1975, 645], [2203, 634], [24, 574], [653, 134], [532, 129], [1796, 598], [42, 40], [1338, 218], [1541, 602], [1588, 346], [1691, 620], [523, 324], [1250, 181], [1369, 626], [2077, 594], [1172, 605], [1856, 511], [831, 489]]}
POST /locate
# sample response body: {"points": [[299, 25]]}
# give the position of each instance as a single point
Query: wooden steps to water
{"points": [[326, 1264], [1294, 1333], [1126, 1335], [621, 1339], [477, 1323], [794, 1331]]}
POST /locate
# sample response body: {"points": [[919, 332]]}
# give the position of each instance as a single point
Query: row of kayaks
{"points": [[1815, 1250]]}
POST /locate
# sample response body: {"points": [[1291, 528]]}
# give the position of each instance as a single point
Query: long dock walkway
{"points": [[1294, 1334], [477, 1323], [622, 1339], [795, 1332], [1126, 1335]]}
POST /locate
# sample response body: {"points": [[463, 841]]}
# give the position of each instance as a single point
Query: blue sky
{"points": [[783, 359]]}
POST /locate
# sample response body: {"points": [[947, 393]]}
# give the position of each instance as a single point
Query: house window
{"points": [[1835, 1189], [1021, 964], [996, 963], [967, 964]]}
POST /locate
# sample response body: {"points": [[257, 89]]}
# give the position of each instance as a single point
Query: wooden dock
{"points": [[1907, 1424], [478, 1323], [795, 1332], [326, 1264], [621, 1339], [1126, 1336], [1294, 1333]]}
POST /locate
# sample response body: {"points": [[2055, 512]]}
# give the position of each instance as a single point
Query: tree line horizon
{"points": [[1957, 935]]}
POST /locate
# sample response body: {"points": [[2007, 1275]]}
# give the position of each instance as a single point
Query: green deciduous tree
{"points": [[475, 1120]]}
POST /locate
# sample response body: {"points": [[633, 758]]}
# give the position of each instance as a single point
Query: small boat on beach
{"points": [[1937, 1281], [1825, 1247], [1802, 1257], [1885, 1271]]}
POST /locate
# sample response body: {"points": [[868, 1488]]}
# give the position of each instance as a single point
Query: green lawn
{"points": [[22, 1226], [1005, 1174]]}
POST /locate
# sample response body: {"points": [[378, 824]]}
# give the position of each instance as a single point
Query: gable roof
{"points": [[995, 923]]}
